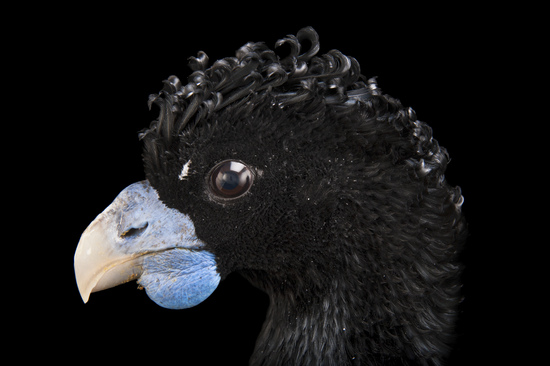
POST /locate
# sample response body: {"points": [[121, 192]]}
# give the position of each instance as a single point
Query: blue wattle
{"points": [[179, 278]]}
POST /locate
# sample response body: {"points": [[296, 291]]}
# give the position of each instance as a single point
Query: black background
{"points": [[87, 76]]}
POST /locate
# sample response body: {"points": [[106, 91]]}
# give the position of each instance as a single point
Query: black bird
{"points": [[295, 171]]}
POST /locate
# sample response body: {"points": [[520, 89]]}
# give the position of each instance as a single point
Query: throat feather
{"points": [[305, 331]]}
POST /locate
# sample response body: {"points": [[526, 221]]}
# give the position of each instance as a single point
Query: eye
{"points": [[230, 179]]}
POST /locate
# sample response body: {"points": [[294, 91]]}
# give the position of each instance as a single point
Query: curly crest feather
{"points": [[300, 77]]}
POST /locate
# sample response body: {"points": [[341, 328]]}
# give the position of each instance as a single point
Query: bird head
{"points": [[296, 172]]}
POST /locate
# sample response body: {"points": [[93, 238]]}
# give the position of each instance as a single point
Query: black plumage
{"points": [[349, 226]]}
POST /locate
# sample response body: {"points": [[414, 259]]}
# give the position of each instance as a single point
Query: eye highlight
{"points": [[230, 179]]}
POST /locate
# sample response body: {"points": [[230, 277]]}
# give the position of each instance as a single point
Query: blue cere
{"points": [[179, 278]]}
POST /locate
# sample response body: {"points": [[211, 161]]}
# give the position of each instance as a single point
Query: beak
{"points": [[98, 264], [137, 237]]}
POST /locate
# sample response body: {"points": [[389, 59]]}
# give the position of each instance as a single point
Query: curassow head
{"points": [[298, 173]]}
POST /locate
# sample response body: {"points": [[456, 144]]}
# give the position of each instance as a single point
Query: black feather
{"points": [[350, 226]]}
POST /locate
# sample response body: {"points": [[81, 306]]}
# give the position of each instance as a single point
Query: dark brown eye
{"points": [[230, 179]]}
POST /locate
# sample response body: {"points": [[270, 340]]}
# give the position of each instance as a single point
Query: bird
{"points": [[294, 170]]}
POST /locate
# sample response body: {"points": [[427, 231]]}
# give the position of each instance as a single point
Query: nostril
{"points": [[134, 231]]}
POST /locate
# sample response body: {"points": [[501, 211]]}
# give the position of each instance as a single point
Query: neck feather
{"points": [[311, 326]]}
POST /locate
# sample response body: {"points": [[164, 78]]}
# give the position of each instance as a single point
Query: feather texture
{"points": [[351, 227]]}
